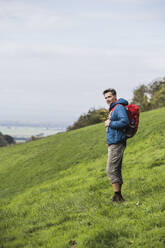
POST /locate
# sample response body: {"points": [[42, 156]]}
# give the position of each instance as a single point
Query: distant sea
{"points": [[23, 133]]}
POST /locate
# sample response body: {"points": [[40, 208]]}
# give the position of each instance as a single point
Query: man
{"points": [[116, 140]]}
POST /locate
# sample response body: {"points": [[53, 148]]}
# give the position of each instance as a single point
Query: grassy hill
{"points": [[54, 192]]}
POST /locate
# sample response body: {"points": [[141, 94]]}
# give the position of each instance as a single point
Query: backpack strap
{"points": [[110, 112]]}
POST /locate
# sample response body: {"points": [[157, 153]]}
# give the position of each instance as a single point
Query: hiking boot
{"points": [[117, 198]]}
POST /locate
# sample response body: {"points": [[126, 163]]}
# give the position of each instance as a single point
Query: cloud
{"points": [[31, 16], [23, 50], [65, 57], [60, 60], [124, 16], [133, 1], [23, 17]]}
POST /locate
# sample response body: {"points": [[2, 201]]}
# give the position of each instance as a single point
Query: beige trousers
{"points": [[114, 163]]}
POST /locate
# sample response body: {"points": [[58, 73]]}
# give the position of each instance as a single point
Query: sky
{"points": [[58, 56]]}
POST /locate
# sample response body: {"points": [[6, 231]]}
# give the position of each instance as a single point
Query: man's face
{"points": [[109, 98]]}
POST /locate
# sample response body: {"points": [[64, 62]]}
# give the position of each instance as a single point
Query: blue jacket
{"points": [[119, 120]]}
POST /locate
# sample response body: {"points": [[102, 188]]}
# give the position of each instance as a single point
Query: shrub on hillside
{"points": [[3, 141], [33, 138], [6, 140], [150, 96], [9, 139], [92, 117]]}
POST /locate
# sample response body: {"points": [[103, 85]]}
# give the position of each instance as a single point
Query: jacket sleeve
{"points": [[121, 119]]}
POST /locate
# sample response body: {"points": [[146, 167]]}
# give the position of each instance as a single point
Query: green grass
{"points": [[54, 192]]}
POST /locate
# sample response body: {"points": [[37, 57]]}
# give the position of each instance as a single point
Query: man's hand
{"points": [[106, 123]]}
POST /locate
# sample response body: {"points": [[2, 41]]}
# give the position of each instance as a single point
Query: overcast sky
{"points": [[57, 56]]}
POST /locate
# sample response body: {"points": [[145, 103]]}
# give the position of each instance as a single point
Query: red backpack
{"points": [[133, 113]]}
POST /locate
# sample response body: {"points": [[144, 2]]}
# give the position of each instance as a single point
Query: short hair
{"points": [[113, 91]]}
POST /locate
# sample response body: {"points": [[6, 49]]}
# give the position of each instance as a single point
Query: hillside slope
{"points": [[54, 192]]}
